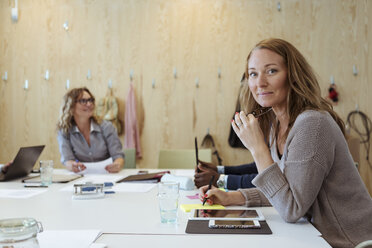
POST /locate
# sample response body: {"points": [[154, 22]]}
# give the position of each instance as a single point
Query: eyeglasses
{"points": [[261, 111], [84, 101]]}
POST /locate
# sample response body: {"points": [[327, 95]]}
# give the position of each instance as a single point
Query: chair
{"points": [[182, 158], [130, 158]]}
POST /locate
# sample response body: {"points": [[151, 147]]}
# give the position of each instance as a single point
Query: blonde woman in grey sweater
{"points": [[307, 170]]}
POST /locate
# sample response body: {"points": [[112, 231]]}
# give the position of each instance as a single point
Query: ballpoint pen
{"points": [[209, 187], [197, 154]]}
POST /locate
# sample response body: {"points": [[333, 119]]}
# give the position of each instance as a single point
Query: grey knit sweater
{"points": [[316, 178]]}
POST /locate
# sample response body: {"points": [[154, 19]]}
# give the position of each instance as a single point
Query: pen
{"points": [[196, 154], [77, 161], [36, 186], [209, 187]]}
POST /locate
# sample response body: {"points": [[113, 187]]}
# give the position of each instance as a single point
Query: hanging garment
{"points": [[107, 109], [131, 138], [234, 140], [208, 142]]}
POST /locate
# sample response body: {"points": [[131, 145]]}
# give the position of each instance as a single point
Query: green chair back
{"points": [[130, 158], [182, 159]]}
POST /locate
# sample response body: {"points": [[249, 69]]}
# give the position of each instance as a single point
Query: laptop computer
{"points": [[23, 162]]}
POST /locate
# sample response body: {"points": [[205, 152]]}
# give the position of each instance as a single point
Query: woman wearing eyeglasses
{"points": [[83, 137], [307, 171]]}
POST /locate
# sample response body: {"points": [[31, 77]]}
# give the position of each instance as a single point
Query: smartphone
{"points": [[234, 224], [226, 214]]}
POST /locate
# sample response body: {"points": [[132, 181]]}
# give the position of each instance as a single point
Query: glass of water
{"points": [[168, 201], [46, 172]]}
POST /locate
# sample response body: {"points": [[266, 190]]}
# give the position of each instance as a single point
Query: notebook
{"points": [[56, 178], [23, 162], [150, 177]]}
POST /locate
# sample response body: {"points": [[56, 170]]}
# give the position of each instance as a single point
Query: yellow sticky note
{"points": [[187, 207]]}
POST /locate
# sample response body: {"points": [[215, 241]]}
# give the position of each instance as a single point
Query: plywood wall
{"points": [[152, 38]]}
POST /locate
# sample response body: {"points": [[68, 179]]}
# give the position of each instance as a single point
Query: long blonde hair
{"points": [[304, 91], [66, 115]]}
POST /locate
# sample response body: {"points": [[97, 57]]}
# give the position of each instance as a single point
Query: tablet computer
{"points": [[226, 214]]}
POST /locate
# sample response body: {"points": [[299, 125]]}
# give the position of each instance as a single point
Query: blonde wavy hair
{"points": [[304, 91], [66, 115]]}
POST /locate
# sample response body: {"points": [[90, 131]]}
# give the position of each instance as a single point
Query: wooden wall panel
{"points": [[151, 38]]}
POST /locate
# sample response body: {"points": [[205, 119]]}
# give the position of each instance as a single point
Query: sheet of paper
{"points": [[133, 187], [96, 167], [188, 207], [94, 178], [20, 193], [196, 196], [67, 238]]}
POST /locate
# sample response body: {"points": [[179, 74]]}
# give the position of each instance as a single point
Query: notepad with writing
{"points": [[188, 207]]}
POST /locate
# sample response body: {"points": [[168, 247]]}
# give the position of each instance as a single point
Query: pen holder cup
{"points": [[168, 194], [46, 172]]}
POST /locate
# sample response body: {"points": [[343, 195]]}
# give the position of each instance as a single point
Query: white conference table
{"points": [[133, 218]]}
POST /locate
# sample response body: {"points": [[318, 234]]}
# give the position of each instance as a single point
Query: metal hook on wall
{"points": [[153, 83], [67, 84], [89, 74], [110, 84], [5, 77], [332, 80], [131, 75], [197, 82], [278, 6], [25, 86], [46, 76], [65, 25]]}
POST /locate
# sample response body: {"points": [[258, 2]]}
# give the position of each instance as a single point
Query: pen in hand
{"points": [[209, 187]]}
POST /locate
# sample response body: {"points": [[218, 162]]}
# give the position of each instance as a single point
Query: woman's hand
{"points": [[4, 169], [217, 196], [249, 132], [75, 166], [113, 168], [116, 166]]}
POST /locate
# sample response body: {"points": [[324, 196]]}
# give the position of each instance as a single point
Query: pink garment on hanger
{"points": [[131, 138]]}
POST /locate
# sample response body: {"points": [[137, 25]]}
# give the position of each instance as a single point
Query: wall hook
{"points": [[355, 70], [110, 84], [219, 72], [175, 72], [5, 77], [67, 84], [197, 82], [332, 80], [357, 107], [46, 76], [89, 74], [278, 6], [65, 25], [131, 75], [25, 87], [153, 83]]}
